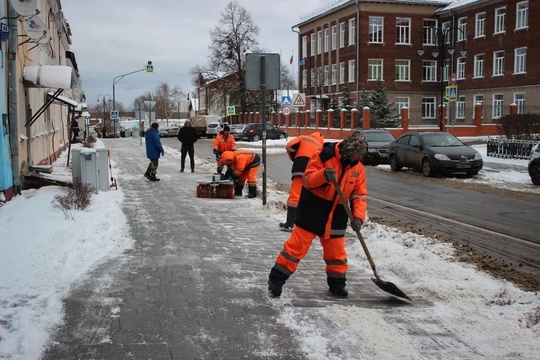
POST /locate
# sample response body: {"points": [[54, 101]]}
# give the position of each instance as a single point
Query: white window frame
{"points": [[313, 79], [319, 42], [522, 15], [498, 63], [446, 31], [402, 102], [499, 26], [376, 30], [352, 31], [478, 71], [462, 24], [460, 65], [460, 107], [429, 35], [326, 75], [304, 79], [429, 70], [334, 74], [342, 35], [520, 60], [403, 31], [403, 70], [480, 25], [519, 100], [341, 72], [326, 39], [334, 37], [375, 70], [497, 110], [313, 45], [429, 108], [352, 65], [304, 47]]}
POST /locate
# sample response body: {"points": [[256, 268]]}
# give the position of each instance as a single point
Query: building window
{"points": [[304, 79], [352, 31], [351, 70], [460, 75], [498, 63], [376, 29], [430, 32], [304, 47], [326, 75], [334, 74], [460, 107], [497, 106], [375, 68], [522, 15], [446, 70], [334, 37], [319, 42], [326, 39], [403, 70], [341, 35], [403, 31], [519, 100], [462, 25], [428, 107], [478, 66], [500, 20], [429, 70], [313, 79], [480, 25], [341, 73], [312, 44], [401, 102], [520, 61]]}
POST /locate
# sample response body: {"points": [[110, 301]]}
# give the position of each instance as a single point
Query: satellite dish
{"points": [[24, 7], [36, 29]]}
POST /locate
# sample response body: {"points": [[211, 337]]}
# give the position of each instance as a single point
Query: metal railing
{"points": [[509, 148]]}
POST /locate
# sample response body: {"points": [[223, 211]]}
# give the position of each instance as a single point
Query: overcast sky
{"points": [[112, 38]]}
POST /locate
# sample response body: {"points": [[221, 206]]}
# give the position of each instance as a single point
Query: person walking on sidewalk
{"points": [[187, 136], [224, 141], [321, 214], [153, 151], [300, 149], [244, 165], [74, 131]]}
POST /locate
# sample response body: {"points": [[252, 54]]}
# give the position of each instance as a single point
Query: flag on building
{"points": [[291, 59]]}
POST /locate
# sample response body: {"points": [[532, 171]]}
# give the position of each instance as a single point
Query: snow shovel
{"points": [[384, 285]]}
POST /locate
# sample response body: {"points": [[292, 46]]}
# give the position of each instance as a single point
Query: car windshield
{"points": [[379, 136], [441, 140], [213, 125]]}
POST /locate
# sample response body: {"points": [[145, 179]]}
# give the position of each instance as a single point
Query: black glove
{"points": [[330, 174], [218, 156], [234, 177], [356, 224], [220, 169]]}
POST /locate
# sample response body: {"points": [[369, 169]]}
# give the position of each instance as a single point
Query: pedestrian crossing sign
{"points": [[231, 110], [451, 93], [114, 114], [285, 101]]}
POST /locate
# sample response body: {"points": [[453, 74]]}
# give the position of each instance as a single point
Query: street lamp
{"points": [[444, 44], [103, 98]]}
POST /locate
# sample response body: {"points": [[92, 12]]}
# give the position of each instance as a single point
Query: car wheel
{"points": [[472, 172], [534, 172], [256, 138], [394, 163], [427, 170]]}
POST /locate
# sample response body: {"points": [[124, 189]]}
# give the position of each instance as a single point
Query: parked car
{"points": [[213, 128], [378, 141], [534, 164], [433, 153], [253, 132]]}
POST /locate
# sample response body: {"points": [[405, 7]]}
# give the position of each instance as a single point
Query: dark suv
{"points": [[378, 140], [253, 132]]}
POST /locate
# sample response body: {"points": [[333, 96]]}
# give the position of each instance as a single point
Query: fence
{"points": [[509, 148]]}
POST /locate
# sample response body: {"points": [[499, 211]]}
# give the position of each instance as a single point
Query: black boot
{"points": [[147, 174], [238, 189], [252, 191], [337, 287], [153, 178], [291, 217], [276, 279]]}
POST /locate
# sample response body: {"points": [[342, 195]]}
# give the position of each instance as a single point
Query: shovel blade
{"points": [[390, 288]]}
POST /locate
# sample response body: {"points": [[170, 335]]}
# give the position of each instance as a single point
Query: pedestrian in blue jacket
{"points": [[153, 151]]}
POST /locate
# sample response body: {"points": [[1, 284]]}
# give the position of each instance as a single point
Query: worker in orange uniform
{"points": [[244, 165], [300, 149], [224, 141], [320, 212]]}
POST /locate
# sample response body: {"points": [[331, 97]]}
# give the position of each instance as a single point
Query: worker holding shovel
{"points": [[321, 213]]}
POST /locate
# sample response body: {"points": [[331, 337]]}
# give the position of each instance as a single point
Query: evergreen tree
{"points": [[381, 109]]}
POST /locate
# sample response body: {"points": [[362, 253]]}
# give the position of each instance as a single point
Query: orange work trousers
{"points": [[250, 175], [294, 192], [297, 247]]}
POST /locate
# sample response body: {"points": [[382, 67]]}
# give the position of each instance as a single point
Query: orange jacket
{"points": [[222, 143], [319, 209], [301, 148], [239, 160]]}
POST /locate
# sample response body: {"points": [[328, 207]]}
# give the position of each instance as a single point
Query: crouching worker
{"points": [[320, 212], [244, 165]]}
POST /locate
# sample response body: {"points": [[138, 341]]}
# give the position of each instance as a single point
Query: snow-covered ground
{"points": [[43, 254]]}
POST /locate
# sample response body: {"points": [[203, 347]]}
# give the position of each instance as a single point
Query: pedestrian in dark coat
{"points": [[153, 151], [187, 136], [74, 130]]}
